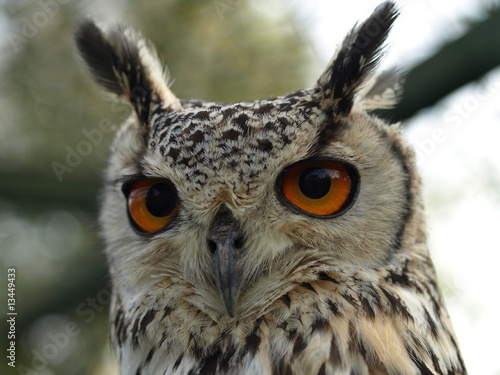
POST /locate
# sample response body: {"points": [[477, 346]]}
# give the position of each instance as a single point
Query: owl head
{"points": [[233, 200]]}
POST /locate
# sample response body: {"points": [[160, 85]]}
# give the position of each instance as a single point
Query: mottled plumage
{"points": [[220, 267]]}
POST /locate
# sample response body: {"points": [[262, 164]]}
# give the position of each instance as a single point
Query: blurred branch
{"points": [[33, 189], [458, 63]]}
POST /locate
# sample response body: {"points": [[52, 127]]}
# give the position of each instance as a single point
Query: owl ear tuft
{"points": [[122, 63], [356, 60]]}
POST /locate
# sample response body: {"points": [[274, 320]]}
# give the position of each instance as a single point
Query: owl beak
{"points": [[225, 241]]}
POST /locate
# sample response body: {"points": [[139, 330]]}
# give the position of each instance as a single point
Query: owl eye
{"points": [[152, 204], [319, 187]]}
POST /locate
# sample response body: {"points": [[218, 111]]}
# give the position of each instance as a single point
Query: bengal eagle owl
{"points": [[279, 236]]}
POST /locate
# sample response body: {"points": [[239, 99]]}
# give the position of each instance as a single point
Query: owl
{"points": [[277, 236]]}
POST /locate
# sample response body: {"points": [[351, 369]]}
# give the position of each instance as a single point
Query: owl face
{"points": [[231, 198], [284, 177]]}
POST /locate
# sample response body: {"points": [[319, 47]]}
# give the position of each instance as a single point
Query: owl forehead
{"points": [[237, 141]]}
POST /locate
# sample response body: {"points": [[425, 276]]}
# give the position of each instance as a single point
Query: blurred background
{"points": [[55, 133]]}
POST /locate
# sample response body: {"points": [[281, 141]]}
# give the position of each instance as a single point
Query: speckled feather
{"points": [[354, 294]]}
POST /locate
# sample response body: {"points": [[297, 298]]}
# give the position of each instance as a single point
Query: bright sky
{"points": [[460, 163]]}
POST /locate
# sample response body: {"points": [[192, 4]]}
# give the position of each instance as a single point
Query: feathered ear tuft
{"points": [[122, 63], [356, 60]]}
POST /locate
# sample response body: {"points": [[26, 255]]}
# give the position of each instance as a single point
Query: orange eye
{"points": [[152, 204], [319, 187]]}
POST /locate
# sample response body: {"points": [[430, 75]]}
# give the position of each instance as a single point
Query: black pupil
{"points": [[315, 182], [161, 199]]}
